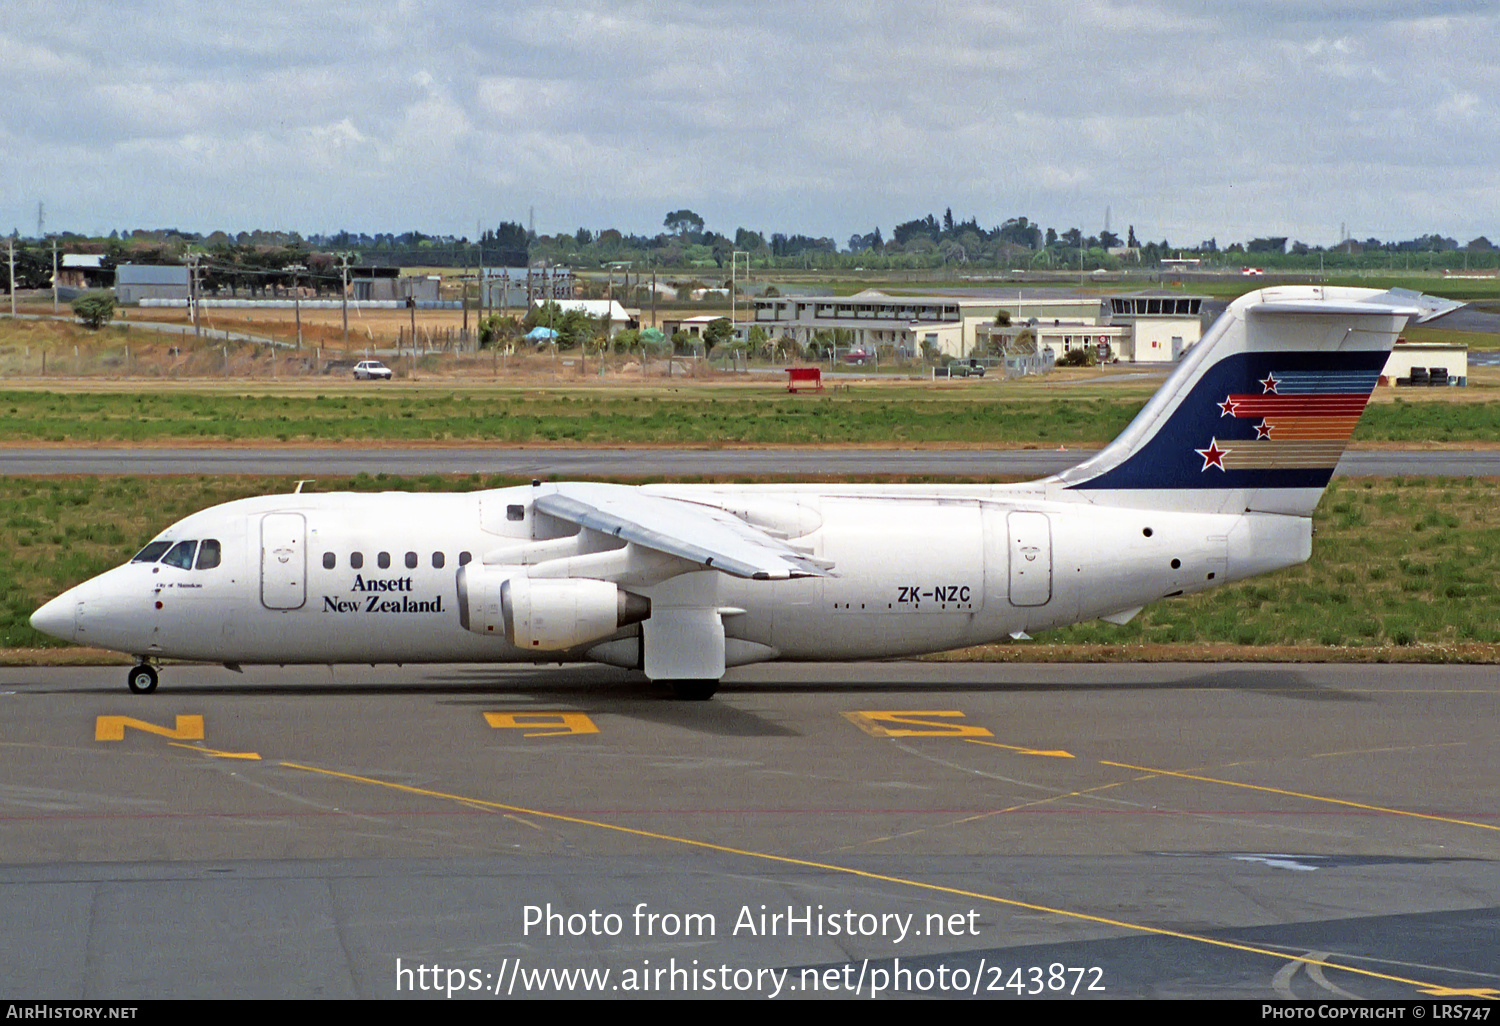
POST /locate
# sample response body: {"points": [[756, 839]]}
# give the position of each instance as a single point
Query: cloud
{"points": [[1224, 117]]}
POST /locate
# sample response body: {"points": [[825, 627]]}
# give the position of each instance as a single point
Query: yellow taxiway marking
{"points": [[1279, 956], [214, 753], [1299, 794], [1056, 753], [978, 816], [1476, 992], [545, 724], [1384, 751], [909, 724], [112, 728]]}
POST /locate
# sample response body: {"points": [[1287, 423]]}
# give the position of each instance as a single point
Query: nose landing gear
{"points": [[142, 679]]}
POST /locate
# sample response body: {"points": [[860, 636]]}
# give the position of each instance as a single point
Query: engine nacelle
{"points": [[545, 614]]}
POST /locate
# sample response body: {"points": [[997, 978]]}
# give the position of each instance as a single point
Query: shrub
{"points": [[95, 309]]}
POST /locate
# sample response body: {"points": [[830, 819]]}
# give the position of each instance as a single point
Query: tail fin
{"points": [[1258, 413]]}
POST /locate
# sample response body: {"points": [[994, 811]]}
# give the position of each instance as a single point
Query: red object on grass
{"points": [[804, 376]]}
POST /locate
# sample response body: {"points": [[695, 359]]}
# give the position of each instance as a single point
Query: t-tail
{"points": [[1258, 413]]}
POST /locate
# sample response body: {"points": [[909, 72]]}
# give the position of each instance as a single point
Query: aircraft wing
{"points": [[700, 534]]}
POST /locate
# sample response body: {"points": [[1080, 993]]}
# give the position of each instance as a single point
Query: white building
{"points": [[1140, 328], [1163, 326], [1451, 358], [619, 317], [948, 324]]}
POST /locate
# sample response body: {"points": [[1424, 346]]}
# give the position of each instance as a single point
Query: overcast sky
{"points": [[1186, 119]]}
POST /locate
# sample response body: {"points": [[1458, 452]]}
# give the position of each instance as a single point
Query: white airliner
{"points": [[1214, 481]]}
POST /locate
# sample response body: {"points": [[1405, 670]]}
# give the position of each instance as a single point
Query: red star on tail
{"points": [[1213, 456], [1269, 383]]}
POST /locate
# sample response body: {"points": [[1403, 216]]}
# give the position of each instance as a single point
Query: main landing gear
{"points": [[695, 690], [142, 679]]}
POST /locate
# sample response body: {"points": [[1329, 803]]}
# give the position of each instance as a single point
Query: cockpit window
{"points": [[151, 553], [181, 555], [208, 554]]}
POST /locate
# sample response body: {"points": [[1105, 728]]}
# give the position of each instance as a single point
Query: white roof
{"points": [[592, 307], [94, 260]]}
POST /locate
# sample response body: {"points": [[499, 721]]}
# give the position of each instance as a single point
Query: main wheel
{"points": [[142, 679], [694, 690]]}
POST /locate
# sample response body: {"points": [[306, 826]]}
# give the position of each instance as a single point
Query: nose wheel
{"points": [[142, 679]]}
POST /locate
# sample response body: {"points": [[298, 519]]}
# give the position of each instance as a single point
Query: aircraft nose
{"points": [[56, 618]]}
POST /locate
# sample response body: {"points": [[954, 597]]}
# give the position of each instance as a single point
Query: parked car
{"points": [[371, 370]]}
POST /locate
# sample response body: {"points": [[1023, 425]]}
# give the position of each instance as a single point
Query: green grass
{"points": [[903, 415], [1402, 564], [1396, 562]]}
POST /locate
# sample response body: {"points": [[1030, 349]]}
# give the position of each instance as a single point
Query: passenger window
{"points": [[384, 560], [515, 512], [356, 560], [411, 561], [330, 561], [464, 558], [438, 561], [208, 554], [181, 555], [151, 553]]}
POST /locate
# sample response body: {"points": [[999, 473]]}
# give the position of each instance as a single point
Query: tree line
{"points": [[277, 260]]}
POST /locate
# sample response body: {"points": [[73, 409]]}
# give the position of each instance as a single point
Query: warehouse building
{"points": [[135, 282]]}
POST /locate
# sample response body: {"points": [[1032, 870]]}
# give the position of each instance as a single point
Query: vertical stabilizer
{"points": [[1259, 411]]}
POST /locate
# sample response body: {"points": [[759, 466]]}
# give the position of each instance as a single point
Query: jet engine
{"points": [[545, 614]]}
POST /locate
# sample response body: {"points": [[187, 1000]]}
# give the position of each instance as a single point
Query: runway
{"points": [[903, 828], [652, 462]]}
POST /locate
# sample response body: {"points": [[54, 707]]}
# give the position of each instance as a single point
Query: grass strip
{"points": [[707, 417]]}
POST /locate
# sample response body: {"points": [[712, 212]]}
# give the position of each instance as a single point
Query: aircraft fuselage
{"points": [[355, 578]]}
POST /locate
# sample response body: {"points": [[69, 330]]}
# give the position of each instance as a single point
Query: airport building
{"points": [[1161, 326], [1138, 327]]}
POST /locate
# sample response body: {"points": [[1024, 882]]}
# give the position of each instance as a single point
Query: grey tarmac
{"points": [[1186, 830], [655, 462]]}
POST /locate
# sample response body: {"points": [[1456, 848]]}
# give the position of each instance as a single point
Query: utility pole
{"points": [[297, 299], [192, 259], [54, 275], [344, 267], [11, 246], [734, 290]]}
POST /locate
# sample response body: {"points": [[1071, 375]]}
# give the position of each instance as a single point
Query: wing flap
{"points": [[700, 534]]}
